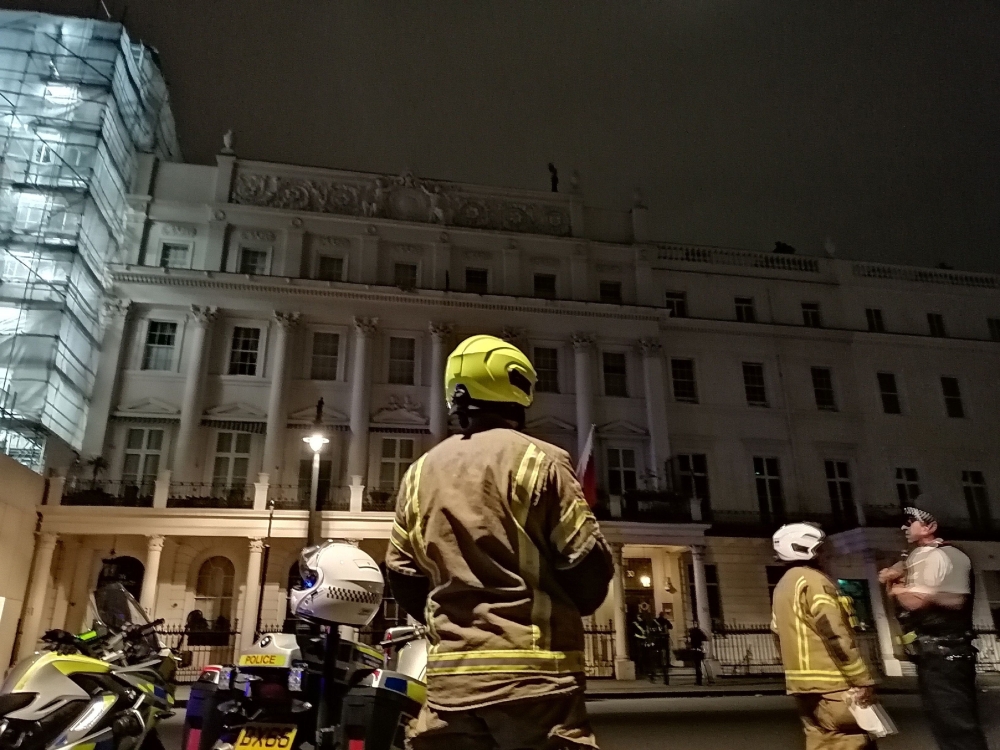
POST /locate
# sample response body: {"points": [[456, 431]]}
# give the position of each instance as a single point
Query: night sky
{"points": [[873, 124]]}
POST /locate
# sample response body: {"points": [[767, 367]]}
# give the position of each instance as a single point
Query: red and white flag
{"points": [[586, 472]]}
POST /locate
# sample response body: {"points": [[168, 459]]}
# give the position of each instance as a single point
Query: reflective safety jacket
{"points": [[818, 648], [496, 521]]}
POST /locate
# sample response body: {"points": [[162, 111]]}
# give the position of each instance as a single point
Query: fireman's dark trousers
{"points": [[948, 692]]}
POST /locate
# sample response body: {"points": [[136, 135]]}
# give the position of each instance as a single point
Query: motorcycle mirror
{"points": [[299, 707]]}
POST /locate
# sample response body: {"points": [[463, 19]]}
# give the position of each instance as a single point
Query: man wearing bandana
{"points": [[933, 590]]}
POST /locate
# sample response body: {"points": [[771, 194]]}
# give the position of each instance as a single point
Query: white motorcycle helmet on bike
{"points": [[797, 542], [340, 585]]}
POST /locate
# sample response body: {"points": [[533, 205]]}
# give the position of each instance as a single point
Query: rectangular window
{"points": [[175, 255], [143, 448], [405, 275], [875, 324], [753, 384], [253, 262], [770, 499], [976, 499], [889, 392], [935, 324], [714, 595], [611, 292], [615, 374], [547, 367], [907, 485], [823, 389], [810, 315], [692, 478], [330, 268], [838, 487], [952, 397], [677, 304], [402, 356], [621, 471], [685, 386], [545, 285], [744, 310], [232, 464], [477, 280], [243, 354], [397, 455], [325, 354], [994, 326], [158, 353]]}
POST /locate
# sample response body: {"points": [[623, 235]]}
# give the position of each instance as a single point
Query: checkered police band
{"points": [[915, 514]]}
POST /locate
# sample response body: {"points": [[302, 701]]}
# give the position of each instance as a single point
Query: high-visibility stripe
{"points": [[507, 660], [802, 639], [569, 524], [413, 522], [400, 539], [526, 483], [821, 599]]}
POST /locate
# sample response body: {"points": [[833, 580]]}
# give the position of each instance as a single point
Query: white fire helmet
{"points": [[797, 541], [340, 584]]}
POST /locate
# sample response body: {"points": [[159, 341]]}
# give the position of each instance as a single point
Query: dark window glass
{"points": [[838, 487], [547, 367], [615, 374], [405, 275], [744, 310], [545, 285], [770, 498], [994, 326], [685, 386], [935, 323], [677, 304], [477, 280], [243, 354], [714, 595], [952, 397], [810, 315], [611, 292], [253, 262], [330, 268], [907, 485], [692, 477], [621, 471], [158, 354], [976, 499], [823, 389], [875, 323], [753, 384], [402, 355], [890, 395]]}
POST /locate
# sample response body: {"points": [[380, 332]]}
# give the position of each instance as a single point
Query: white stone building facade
{"points": [[729, 389]]}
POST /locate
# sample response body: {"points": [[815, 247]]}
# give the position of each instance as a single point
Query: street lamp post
{"points": [[316, 441]]}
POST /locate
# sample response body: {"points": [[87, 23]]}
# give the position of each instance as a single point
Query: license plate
{"points": [[266, 737]]}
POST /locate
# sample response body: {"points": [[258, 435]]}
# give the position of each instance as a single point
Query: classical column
{"points": [[201, 319], [890, 663], [438, 408], [147, 597], [357, 451], [583, 347], [64, 582], [248, 623], [656, 410], [274, 440], [113, 319], [80, 592], [36, 597], [624, 667], [703, 614]]}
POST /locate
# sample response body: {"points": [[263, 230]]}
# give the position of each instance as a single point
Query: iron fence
{"points": [[747, 650], [210, 495], [199, 648], [599, 652], [118, 493], [988, 645]]}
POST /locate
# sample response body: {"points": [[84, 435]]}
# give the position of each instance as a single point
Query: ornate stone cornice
{"points": [[582, 341], [286, 320], [179, 230], [114, 309], [366, 326], [204, 315], [441, 330], [259, 235], [404, 198]]}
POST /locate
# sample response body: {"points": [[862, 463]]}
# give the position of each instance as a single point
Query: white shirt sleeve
{"points": [[933, 569]]}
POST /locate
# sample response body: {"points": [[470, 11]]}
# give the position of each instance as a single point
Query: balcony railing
{"points": [[210, 495], [296, 497], [647, 506], [121, 493], [383, 501]]}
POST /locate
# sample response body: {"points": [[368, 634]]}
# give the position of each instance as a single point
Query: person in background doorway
{"points": [[934, 590], [824, 671], [696, 642], [665, 626], [639, 636]]}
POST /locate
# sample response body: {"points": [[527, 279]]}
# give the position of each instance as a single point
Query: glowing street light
{"points": [[316, 441]]}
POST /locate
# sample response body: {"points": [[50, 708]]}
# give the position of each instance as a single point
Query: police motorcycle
{"points": [[104, 689], [318, 685]]}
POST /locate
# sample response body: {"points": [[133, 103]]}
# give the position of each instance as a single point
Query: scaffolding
{"points": [[79, 101]]}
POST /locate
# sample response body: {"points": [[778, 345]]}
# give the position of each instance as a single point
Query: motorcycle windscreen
{"points": [[115, 608]]}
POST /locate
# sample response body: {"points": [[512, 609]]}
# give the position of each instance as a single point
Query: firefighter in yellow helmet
{"points": [[495, 550]]}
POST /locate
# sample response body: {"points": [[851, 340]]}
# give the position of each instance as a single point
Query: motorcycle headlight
{"points": [[92, 714]]}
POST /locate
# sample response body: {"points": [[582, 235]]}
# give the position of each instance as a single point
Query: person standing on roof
{"points": [[495, 549], [824, 670]]}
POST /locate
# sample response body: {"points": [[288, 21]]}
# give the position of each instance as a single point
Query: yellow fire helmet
{"points": [[489, 369]]}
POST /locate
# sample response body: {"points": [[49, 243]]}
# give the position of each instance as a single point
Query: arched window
{"points": [[213, 595]]}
